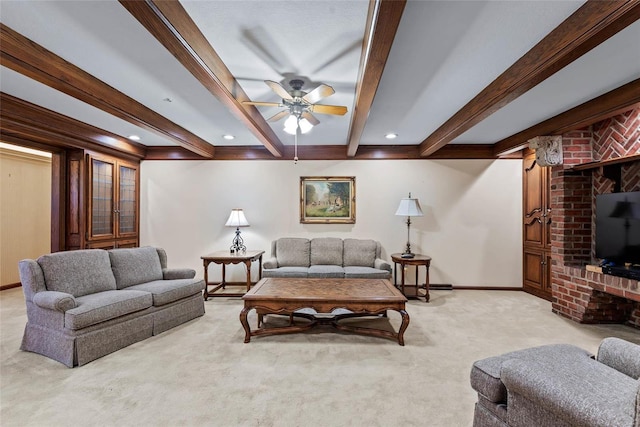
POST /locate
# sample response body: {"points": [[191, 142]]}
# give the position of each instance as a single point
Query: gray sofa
{"points": [[84, 304], [326, 257], [560, 385]]}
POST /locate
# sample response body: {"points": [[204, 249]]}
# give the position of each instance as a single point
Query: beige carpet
{"points": [[202, 373]]}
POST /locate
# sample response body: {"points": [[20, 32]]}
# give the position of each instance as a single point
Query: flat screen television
{"points": [[618, 227]]}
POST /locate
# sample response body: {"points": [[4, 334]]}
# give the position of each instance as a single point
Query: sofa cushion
{"points": [[360, 253], [102, 306], [78, 273], [286, 272], [326, 251], [326, 271], [365, 273], [293, 252], [166, 291], [133, 266], [485, 373]]}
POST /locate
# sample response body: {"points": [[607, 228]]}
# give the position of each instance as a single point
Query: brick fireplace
{"points": [[582, 295]]}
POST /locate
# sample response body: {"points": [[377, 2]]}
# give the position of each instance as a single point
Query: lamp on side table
{"points": [[409, 207], [237, 219]]}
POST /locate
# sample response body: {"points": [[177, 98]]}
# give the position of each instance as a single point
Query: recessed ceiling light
{"points": [[229, 137], [134, 137], [391, 135]]}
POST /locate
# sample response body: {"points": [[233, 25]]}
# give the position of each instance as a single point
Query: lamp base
{"points": [[407, 255], [237, 245]]}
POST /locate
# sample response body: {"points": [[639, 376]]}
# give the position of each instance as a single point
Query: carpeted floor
{"points": [[202, 373]]}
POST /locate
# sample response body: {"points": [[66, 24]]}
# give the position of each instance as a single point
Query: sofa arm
{"points": [[381, 264], [621, 355], [178, 273], [270, 263], [53, 300], [585, 393]]}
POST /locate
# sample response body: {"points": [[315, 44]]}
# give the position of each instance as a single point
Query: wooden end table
{"points": [[225, 258], [418, 260]]}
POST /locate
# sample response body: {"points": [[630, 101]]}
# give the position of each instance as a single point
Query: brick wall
{"points": [[581, 295]]}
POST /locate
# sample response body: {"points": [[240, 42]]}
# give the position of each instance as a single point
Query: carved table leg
{"points": [[206, 280], [426, 285], [248, 264], [403, 326], [245, 323]]}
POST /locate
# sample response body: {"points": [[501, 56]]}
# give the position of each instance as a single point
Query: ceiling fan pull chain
{"points": [[295, 142]]}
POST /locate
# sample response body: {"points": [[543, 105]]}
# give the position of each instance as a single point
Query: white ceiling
{"points": [[444, 54]]}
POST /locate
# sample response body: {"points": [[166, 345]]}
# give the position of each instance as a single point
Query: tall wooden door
{"points": [[536, 229]]}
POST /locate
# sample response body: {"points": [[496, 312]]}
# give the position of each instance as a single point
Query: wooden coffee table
{"points": [[363, 297]]}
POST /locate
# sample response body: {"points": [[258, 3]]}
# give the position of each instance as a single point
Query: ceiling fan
{"points": [[300, 104]]}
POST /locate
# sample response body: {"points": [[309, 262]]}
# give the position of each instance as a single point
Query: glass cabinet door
{"points": [[127, 197], [101, 198]]}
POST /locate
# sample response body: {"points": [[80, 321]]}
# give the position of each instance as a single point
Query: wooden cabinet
{"points": [[112, 209], [536, 228], [103, 196], [112, 201]]}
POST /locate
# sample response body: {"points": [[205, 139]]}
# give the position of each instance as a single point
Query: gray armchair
{"points": [[560, 385]]}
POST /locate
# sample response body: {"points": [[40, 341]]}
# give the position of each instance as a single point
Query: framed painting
{"points": [[327, 199]]}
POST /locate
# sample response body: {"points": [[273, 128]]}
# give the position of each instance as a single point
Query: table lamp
{"points": [[409, 207], [237, 219]]}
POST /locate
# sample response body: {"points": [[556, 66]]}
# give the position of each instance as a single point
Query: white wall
{"points": [[471, 227], [25, 210]]}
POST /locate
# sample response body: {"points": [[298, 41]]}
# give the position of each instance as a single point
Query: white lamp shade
{"points": [[237, 219], [409, 207]]}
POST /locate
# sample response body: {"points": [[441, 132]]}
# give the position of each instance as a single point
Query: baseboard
{"points": [[441, 286], [10, 286], [450, 287], [488, 288]]}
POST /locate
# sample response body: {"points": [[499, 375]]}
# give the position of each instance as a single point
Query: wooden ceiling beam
{"points": [[26, 122], [32, 60], [330, 152], [382, 24], [593, 23], [608, 105], [172, 26]]}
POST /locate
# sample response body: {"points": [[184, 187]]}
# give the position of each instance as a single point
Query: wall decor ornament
{"points": [[327, 200], [548, 150]]}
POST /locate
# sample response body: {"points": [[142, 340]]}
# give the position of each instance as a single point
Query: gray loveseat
{"points": [[326, 257], [560, 385], [84, 304]]}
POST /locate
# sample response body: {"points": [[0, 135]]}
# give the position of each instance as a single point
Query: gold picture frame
{"points": [[327, 199]]}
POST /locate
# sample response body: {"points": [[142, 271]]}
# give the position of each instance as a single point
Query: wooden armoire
{"points": [[536, 228]]}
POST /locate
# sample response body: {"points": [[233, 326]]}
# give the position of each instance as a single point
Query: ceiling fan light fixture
{"points": [[292, 123], [305, 125]]}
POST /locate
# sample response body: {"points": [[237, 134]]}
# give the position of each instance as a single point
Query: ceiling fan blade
{"points": [[318, 93], [278, 116], [310, 118], [278, 89], [262, 104], [337, 110]]}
